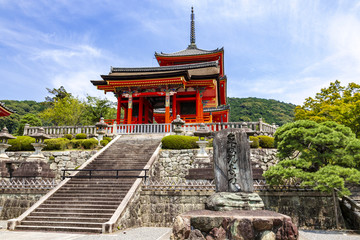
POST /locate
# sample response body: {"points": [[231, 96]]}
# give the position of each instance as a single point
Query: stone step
{"points": [[87, 198], [59, 229], [71, 214], [95, 189], [62, 219], [74, 210], [79, 205], [62, 224], [87, 202]]}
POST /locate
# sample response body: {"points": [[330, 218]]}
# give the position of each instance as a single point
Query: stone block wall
{"points": [[309, 210], [57, 160], [14, 202], [175, 164]]}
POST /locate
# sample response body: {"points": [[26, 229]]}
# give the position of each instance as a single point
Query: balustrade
{"points": [[114, 129]]}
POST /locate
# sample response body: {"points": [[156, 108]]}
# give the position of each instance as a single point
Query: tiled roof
{"points": [[6, 108], [190, 51], [166, 68]]}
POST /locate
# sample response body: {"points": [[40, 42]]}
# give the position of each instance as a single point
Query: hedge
{"points": [[107, 139], [57, 144], [179, 142], [266, 141], [68, 136], [22, 143], [104, 142], [255, 142], [89, 143], [81, 136]]}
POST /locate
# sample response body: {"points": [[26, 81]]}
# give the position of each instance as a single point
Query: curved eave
{"points": [[184, 74], [180, 54]]}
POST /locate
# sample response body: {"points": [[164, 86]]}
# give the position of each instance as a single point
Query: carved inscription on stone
{"points": [[233, 170]]}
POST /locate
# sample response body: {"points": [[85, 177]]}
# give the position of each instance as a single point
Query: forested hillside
{"points": [[251, 109]]}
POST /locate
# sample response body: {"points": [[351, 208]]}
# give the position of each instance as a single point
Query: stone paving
{"points": [[150, 233]]}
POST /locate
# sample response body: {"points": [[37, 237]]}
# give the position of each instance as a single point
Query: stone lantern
{"points": [[4, 136], [177, 125], [39, 144], [101, 129], [202, 133]]}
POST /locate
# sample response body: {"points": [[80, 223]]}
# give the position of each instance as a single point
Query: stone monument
{"points": [[233, 172], [234, 211]]}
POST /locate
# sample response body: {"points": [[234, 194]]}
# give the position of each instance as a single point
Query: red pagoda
{"points": [[190, 83], [4, 111]]}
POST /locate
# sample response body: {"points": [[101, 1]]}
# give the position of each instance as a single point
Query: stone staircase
{"points": [[83, 204]]}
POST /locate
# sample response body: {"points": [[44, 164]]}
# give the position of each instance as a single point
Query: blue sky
{"points": [[281, 49]]}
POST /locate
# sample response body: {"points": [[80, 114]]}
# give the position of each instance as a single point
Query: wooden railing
{"points": [[116, 129]]}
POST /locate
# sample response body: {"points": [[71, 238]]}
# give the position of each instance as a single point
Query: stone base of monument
{"points": [[224, 201], [234, 224]]}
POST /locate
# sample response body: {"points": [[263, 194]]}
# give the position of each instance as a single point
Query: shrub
{"points": [[89, 143], [81, 136], [107, 139], [255, 142], [179, 142], [22, 143], [76, 143], [104, 142], [266, 141], [56, 144], [68, 136]]}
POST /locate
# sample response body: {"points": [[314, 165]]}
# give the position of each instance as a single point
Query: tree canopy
{"points": [[321, 155], [335, 103]]}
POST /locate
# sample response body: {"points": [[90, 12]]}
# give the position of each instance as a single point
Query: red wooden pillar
{"points": [[167, 107], [118, 114], [141, 105], [174, 107], [146, 111], [129, 114], [197, 106], [125, 115]]}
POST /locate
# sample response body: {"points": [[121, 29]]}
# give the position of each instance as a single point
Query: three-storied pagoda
{"points": [[190, 83]]}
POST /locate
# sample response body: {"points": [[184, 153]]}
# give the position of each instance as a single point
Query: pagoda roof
{"points": [[166, 68], [5, 111], [189, 51]]}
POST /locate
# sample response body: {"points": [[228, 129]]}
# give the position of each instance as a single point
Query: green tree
{"points": [[322, 155], [11, 122], [335, 103], [65, 111], [59, 93], [29, 118], [97, 108]]}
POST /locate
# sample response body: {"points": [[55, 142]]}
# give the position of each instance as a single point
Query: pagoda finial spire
{"points": [[192, 29]]}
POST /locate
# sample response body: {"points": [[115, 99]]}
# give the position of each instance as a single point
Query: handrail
{"points": [[352, 203], [104, 176]]}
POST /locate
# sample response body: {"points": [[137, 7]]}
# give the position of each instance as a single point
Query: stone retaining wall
{"points": [[56, 159], [175, 164], [14, 202], [311, 210]]}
